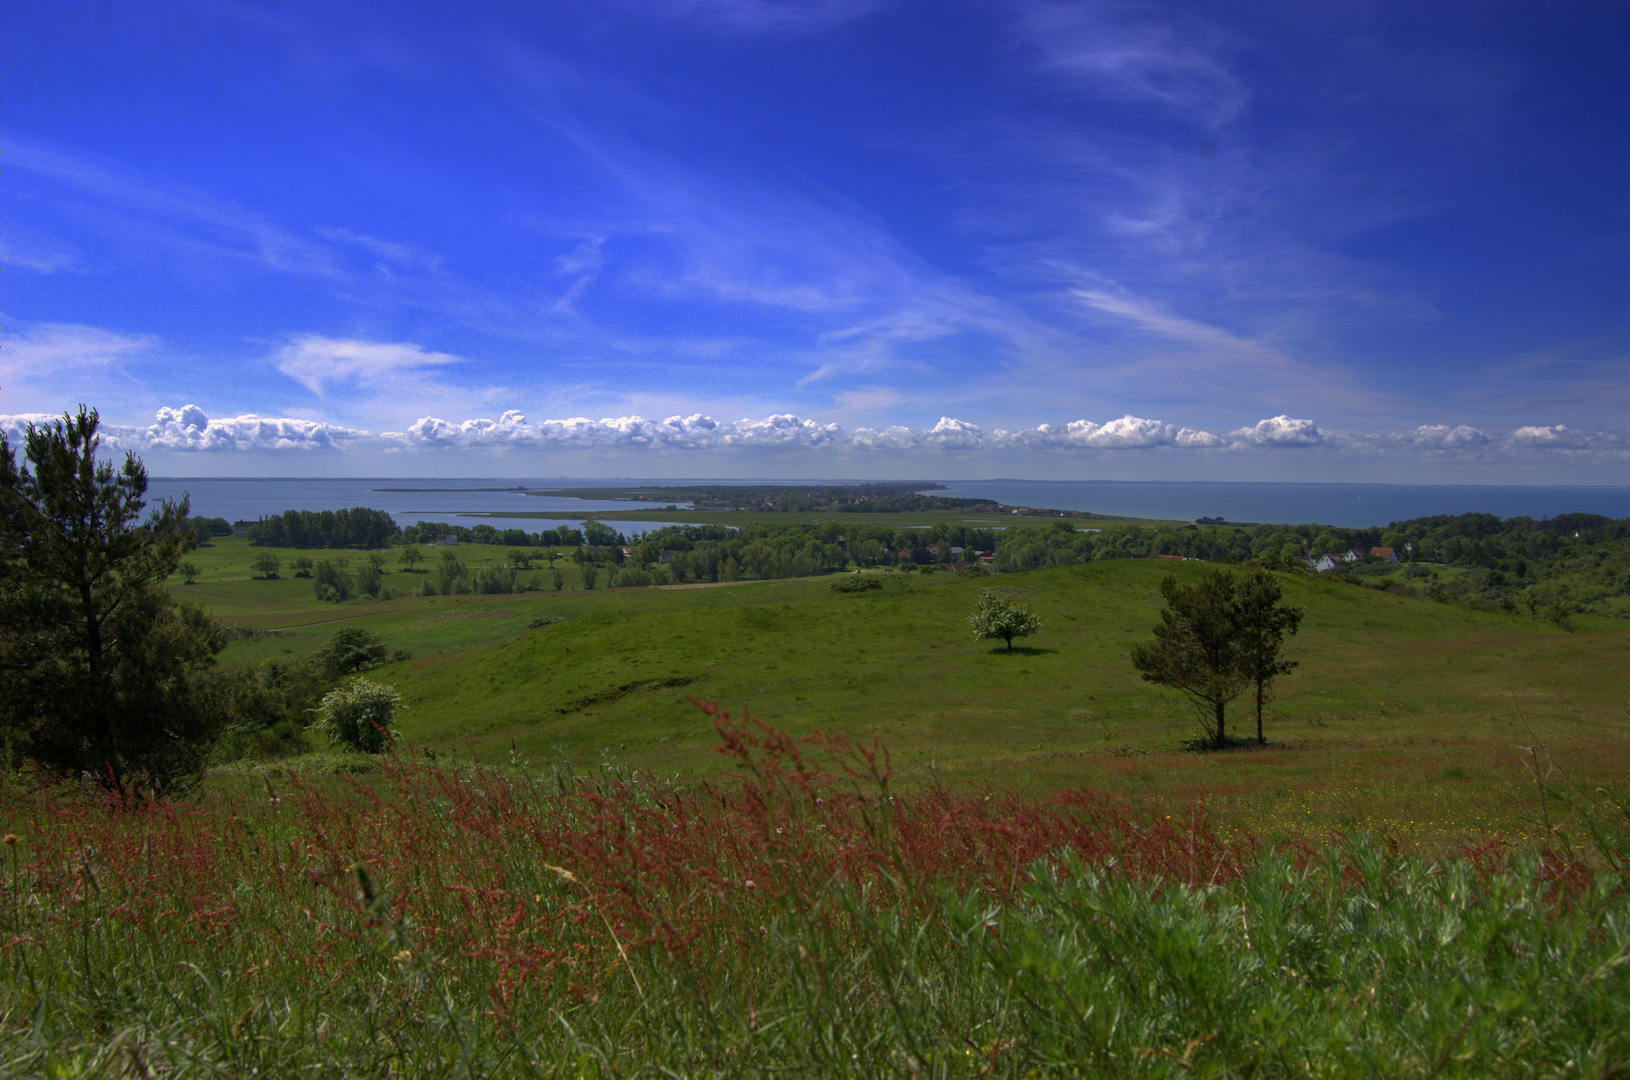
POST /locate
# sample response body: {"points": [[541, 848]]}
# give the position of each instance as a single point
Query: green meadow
{"points": [[1422, 718], [1425, 873]]}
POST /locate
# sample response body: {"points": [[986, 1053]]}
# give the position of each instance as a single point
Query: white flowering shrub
{"points": [[359, 715]]}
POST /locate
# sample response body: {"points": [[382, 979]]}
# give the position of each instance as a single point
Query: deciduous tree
{"points": [[352, 649], [998, 614]]}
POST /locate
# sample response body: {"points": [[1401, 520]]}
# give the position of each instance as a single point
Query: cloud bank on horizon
{"points": [[1360, 243], [506, 442]]}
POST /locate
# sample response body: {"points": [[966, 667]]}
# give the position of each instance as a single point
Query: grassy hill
{"points": [[1404, 711], [973, 918]]}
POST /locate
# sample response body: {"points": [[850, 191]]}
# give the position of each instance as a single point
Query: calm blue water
{"points": [[1344, 505], [250, 499], [1348, 506]]}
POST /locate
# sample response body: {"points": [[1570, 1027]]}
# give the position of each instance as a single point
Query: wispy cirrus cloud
{"points": [[775, 17], [70, 362], [131, 209], [1135, 54], [324, 364]]}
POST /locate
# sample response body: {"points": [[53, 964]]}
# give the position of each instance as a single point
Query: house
{"points": [[1351, 556], [446, 540], [241, 528], [1384, 554], [1327, 563]]}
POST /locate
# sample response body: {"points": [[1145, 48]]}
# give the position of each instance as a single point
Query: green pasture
{"points": [[1404, 713]]}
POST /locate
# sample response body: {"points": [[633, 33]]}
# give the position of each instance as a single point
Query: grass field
{"points": [[1426, 873], [1404, 713]]}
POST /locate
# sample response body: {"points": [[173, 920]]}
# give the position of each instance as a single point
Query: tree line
{"points": [[357, 527], [1510, 544]]}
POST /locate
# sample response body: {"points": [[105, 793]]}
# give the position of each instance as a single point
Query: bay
{"points": [[249, 499], [1343, 505]]}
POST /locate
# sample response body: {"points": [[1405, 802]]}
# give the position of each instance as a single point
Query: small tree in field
{"points": [[1197, 649], [1261, 624], [1217, 637], [997, 614], [266, 565], [358, 716], [409, 555]]}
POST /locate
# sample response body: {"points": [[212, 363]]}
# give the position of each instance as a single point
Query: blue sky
{"points": [[846, 239]]}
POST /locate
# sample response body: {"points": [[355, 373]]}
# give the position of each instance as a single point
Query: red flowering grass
{"points": [[560, 878], [799, 912]]}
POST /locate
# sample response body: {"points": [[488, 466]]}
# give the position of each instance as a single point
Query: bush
{"points": [[854, 583], [350, 650], [495, 580], [368, 579], [333, 582], [358, 716]]}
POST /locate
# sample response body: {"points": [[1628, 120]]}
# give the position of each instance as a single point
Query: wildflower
{"points": [[750, 885], [12, 839]]}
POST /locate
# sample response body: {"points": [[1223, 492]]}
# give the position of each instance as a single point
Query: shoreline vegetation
{"points": [[1553, 568]]}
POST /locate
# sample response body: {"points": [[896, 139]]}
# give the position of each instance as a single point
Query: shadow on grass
{"points": [[1207, 744], [1020, 650]]}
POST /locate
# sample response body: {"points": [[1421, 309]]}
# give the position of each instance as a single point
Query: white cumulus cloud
{"points": [[187, 428], [1127, 433], [1281, 431]]}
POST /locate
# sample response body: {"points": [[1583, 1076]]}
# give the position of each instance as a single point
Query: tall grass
{"points": [[475, 921]]}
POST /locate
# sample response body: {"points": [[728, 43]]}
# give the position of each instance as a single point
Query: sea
{"points": [[1351, 506]]}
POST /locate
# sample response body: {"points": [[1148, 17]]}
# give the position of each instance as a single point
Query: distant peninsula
{"points": [[885, 498]]}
